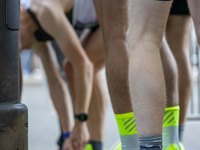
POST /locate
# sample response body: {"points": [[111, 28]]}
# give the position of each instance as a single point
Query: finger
{"points": [[79, 146], [67, 148], [83, 144], [74, 144]]}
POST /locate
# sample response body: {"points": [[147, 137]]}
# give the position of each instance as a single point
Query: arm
{"points": [[55, 23], [57, 86], [58, 90]]}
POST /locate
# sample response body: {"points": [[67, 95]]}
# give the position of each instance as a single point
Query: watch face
{"points": [[82, 117]]}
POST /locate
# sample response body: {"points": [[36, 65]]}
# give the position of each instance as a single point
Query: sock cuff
{"points": [[174, 108], [171, 117], [126, 123], [95, 145], [181, 131], [125, 115], [151, 141]]}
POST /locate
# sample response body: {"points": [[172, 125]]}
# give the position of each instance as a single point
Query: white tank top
{"points": [[84, 12]]}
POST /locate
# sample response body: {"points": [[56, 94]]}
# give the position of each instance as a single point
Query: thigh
{"points": [[113, 17], [148, 19], [94, 48], [50, 14], [53, 20], [177, 32], [194, 6], [27, 29], [67, 5]]}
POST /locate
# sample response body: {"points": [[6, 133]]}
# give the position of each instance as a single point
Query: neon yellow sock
{"points": [[170, 128], [88, 147], [128, 131]]}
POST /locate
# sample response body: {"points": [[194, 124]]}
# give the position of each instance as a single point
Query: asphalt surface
{"points": [[44, 129]]}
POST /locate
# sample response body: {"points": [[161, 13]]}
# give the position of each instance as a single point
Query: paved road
{"points": [[44, 127]]}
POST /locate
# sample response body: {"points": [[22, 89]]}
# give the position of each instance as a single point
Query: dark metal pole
{"points": [[13, 114]]}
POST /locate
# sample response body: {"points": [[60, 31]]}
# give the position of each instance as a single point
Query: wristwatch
{"points": [[82, 117]]}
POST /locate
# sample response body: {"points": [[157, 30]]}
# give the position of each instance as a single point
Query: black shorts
{"points": [[40, 34], [180, 7]]}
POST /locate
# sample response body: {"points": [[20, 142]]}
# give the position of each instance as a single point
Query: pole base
{"points": [[13, 127]]}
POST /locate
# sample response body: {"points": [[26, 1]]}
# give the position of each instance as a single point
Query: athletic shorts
{"points": [[179, 7]]}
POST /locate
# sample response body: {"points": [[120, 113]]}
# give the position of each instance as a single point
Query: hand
{"points": [[67, 145], [80, 135]]}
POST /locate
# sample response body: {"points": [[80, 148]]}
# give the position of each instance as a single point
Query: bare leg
{"points": [[170, 131], [194, 6], [58, 90], [55, 23], [116, 55], [116, 46], [170, 73], [97, 109], [64, 34], [146, 78], [177, 33], [98, 104]]}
